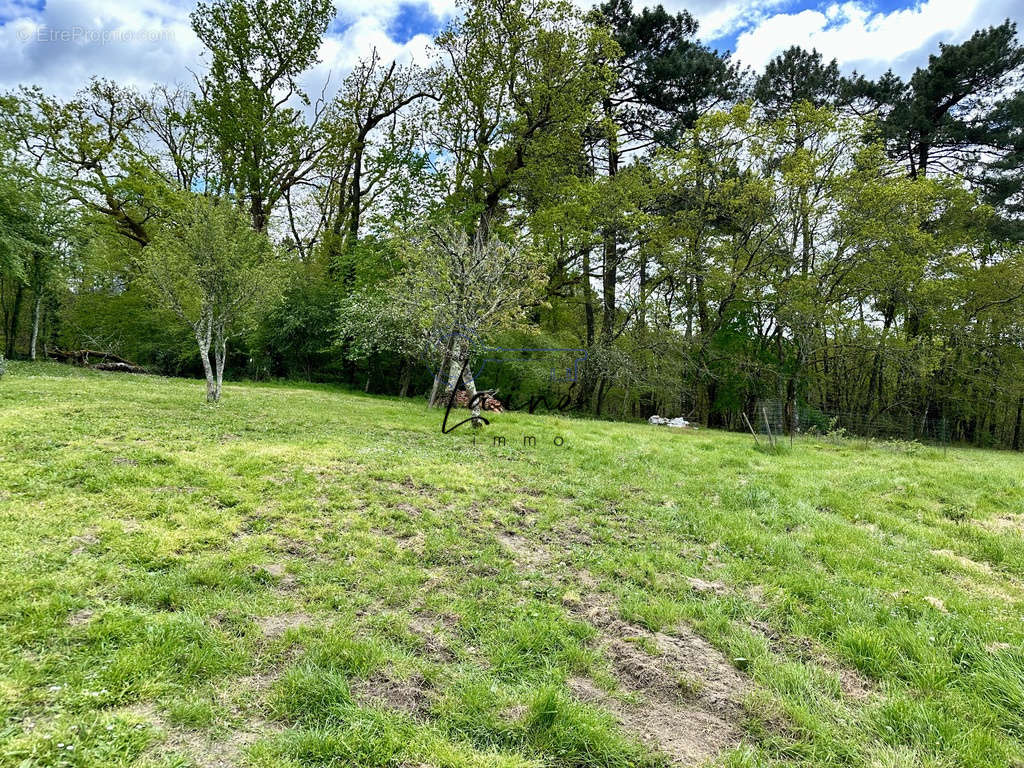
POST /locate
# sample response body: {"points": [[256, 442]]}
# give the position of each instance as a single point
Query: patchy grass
{"points": [[305, 577]]}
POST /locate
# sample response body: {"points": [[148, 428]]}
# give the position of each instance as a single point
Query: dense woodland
{"points": [[713, 237]]}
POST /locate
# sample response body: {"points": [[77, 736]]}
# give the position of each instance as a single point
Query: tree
{"points": [[28, 233], [518, 83], [666, 79], [798, 75], [90, 150], [952, 113], [211, 269], [250, 96], [454, 284], [373, 95]]}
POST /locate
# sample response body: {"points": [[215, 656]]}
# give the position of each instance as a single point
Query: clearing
{"points": [[302, 576]]}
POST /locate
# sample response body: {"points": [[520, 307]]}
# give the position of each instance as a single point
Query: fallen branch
{"points": [[104, 361]]}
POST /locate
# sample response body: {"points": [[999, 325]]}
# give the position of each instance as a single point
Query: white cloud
{"points": [[868, 41], [142, 42], [63, 45]]}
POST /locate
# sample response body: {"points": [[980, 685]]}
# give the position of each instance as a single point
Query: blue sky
{"points": [[60, 44]]}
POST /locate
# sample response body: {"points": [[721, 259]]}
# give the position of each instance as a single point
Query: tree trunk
{"points": [[36, 310], [588, 300], [1017, 424], [404, 379], [220, 356], [204, 337], [610, 267], [444, 366], [211, 381], [601, 390]]}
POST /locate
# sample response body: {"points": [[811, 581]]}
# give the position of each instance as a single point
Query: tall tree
{"points": [[952, 113], [518, 83], [665, 80], [252, 103], [795, 76]]}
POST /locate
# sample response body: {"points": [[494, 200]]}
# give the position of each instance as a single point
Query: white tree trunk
{"points": [[446, 359], [470, 384], [35, 328], [460, 358], [204, 334]]}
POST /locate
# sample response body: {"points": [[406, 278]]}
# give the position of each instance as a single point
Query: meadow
{"points": [[306, 576]]}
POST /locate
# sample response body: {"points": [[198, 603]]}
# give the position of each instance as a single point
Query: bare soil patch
{"points": [[278, 624], [965, 562], [1008, 523], [434, 644], [81, 618], [200, 747], [685, 701], [525, 551], [412, 695], [689, 693], [707, 587]]}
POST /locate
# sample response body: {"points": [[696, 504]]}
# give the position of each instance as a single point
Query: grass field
{"points": [[305, 577]]}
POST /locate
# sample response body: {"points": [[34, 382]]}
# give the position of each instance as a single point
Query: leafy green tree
{"points": [[214, 272], [517, 84], [28, 233], [251, 100]]}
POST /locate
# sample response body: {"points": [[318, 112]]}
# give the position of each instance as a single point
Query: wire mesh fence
{"points": [[776, 420]]}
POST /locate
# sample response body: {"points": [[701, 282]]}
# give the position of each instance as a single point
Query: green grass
{"points": [[300, 576]]}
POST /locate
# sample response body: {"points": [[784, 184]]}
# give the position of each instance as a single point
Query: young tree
{"points": [[210, 268], [453, 283]]}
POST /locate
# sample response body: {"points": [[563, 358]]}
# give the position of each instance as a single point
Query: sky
{"points": [[60, 44]]}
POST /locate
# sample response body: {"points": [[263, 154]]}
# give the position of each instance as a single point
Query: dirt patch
{"points": [[689, 693], [936, 603], [434, 645], [283, 580], [278, 624], [200, 749], [536, 493], [525, 551], [409, 509], [707, 587], [80, 619], [412, 695], [685, 695], [416, 543], [853, 684], [83, 541], [686, 734], [1009, 523], [965, 562]]}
